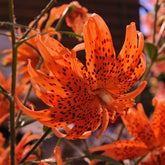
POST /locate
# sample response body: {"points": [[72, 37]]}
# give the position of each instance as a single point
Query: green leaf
{"points": [[105, 158], [151, 50]]}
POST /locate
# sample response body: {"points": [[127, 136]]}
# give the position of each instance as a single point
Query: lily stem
{"points": [[13, 83], [155, 20], [139, 160], [4, 92], [45, 10], [61, 20], [77, 149], [148, 70], [59, 142], [121, 131]]}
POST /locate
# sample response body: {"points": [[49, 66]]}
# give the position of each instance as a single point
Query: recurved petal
{"points": [[53, 53], [159, 121], [105, 122], [59, 134], [59, 60], [77, 17], [134, 93], [100, 54], [45, 81], [130, 63], [28, 137], [121, 150], [132, 49], [55, 13], [51, 117], [57, 155], [139, 126]]}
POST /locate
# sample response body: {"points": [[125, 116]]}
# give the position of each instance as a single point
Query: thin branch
{"points": [[13, 84], [61, 20], [155, 20], [121, 131], [45, 10], [77, 149], [13, 24], [4, 92], [71, 34]]}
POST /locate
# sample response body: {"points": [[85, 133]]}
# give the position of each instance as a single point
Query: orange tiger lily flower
{"points": [[57, 155], [149, 138], [4, 102], [22, 148], [3, 158], [25, 51], [21, 89], [75, 18], [87, 96]]}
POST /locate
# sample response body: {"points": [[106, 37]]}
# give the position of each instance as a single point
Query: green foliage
{"points": [[151, 50]]}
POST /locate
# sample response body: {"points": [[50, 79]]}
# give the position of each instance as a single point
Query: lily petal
{"points": [[55, 14], [57, 155], [159, 122], [139, 126], [100, 53], [121, 150]]}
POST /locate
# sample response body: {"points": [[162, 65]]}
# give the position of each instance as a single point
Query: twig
{"points": [[45, 10], [155, 20], [77, 149], [121, 131], [13, 84]]}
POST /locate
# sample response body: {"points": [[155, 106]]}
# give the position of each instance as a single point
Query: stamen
{"points": [[106, 97]]}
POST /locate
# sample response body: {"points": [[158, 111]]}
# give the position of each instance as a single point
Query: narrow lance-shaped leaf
{"points": [[151, 50]]}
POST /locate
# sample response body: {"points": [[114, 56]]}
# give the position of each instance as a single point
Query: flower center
{"points": [[104, 95]]}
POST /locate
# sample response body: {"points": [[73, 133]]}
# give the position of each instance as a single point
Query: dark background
{"points": [[116, 13]]}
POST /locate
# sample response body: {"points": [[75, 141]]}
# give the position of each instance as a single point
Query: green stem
{"points": [[160, 59], [147, 71], [121, 131], [74, 147], [13, 84], [39, 17], [86, 146], [27, 38], [61, 20], [161, 32], [77, 149], [4, 92], [139, 160], [155, 20], [14, 24], [37, 144], [59, 142], [24, 102], [71, 34], [70, 159]]}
